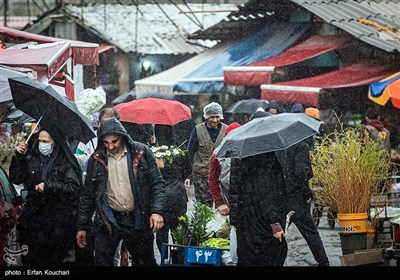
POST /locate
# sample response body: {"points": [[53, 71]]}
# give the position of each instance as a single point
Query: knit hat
{"points": [[313, 112], [231, 127], [213, 109]]}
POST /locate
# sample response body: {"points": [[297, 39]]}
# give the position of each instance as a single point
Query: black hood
{"points": [[113, 126]]}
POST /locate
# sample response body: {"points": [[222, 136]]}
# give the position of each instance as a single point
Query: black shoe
{"points": [[324, 264]]}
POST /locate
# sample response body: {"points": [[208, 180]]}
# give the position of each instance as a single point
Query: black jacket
{"points": [[257, 200], [148, 186], [46, 224], [296, 166]]}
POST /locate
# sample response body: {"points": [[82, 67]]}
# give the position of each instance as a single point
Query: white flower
{"points": [[168, 153]]}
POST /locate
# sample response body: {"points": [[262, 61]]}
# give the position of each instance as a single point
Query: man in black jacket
{"points": [[296, 165], [125, 190]]}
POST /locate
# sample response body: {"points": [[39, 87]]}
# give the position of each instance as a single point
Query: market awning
{"points": [[307, 91], [42, 57], [5, 91], [204, 72], [261, 72], [83, 53]]}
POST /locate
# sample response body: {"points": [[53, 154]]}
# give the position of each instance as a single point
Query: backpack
{"points": [[176, 195]]}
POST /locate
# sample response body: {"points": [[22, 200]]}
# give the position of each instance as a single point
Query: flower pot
{"points": [[351, 242], [353, 231], [353, 222], [177, 254]]}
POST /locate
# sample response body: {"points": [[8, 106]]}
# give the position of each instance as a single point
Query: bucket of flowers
{"points": [[166, 154]]}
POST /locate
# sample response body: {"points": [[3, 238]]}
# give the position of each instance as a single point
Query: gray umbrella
{"points": [[268, 134], [247, 106]]}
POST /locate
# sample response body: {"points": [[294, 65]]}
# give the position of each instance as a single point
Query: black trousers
{"points": [[138, 242], [305, 224]]}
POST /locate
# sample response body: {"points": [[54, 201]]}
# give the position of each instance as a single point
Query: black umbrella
{"points": [[268, 134], [41, 101], [247, 106], [126, 97]]}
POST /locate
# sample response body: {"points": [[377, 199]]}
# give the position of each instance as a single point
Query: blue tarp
{"points": [[267, 42]]}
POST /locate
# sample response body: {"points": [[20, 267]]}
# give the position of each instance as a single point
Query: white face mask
{"points": [[45, 149]]}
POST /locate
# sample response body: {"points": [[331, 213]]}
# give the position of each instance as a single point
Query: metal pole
{"points": [[5, 12]]}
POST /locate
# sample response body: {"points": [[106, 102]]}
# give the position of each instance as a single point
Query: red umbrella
{"points": [[153, 111]]}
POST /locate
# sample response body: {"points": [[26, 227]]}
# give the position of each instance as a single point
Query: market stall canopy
{"points": [[260, 72], [204, 73], [307, 91], [5, 92], [83, 53], [50, 57]]}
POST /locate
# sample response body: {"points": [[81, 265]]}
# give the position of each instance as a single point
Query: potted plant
{"points": [[192, 230], [348, 172]]}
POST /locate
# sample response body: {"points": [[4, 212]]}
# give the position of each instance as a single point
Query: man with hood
{"points": [[126, 192], [205, 137], [52, 177]]}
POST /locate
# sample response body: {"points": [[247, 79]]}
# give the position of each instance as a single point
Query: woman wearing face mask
{"points": [[51, 174]]}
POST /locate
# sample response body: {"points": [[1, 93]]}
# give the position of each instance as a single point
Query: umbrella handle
{"points": [[30, 135]]}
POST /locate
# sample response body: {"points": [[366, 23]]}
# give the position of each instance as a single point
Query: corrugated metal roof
{"points": [[381, 28], [117, 25], [249, 17]]}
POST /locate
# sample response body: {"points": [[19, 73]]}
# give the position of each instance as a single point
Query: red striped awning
{"points": [[83, 52], [307, 91], [261, 72]]}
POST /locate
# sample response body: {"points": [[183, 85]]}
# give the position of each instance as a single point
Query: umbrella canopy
{"points": [[388, 88], [153, 111], [42, 101], [247, 106], [268, 134]]}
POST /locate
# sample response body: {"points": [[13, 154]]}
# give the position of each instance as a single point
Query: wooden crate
{"points": [[363, 257]]}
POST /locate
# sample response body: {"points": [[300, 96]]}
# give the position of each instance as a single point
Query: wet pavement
{"points": [[299, 255]]}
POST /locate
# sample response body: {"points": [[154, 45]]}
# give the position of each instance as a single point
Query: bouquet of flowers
{"points": [[167, 153], [7, 148]]}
